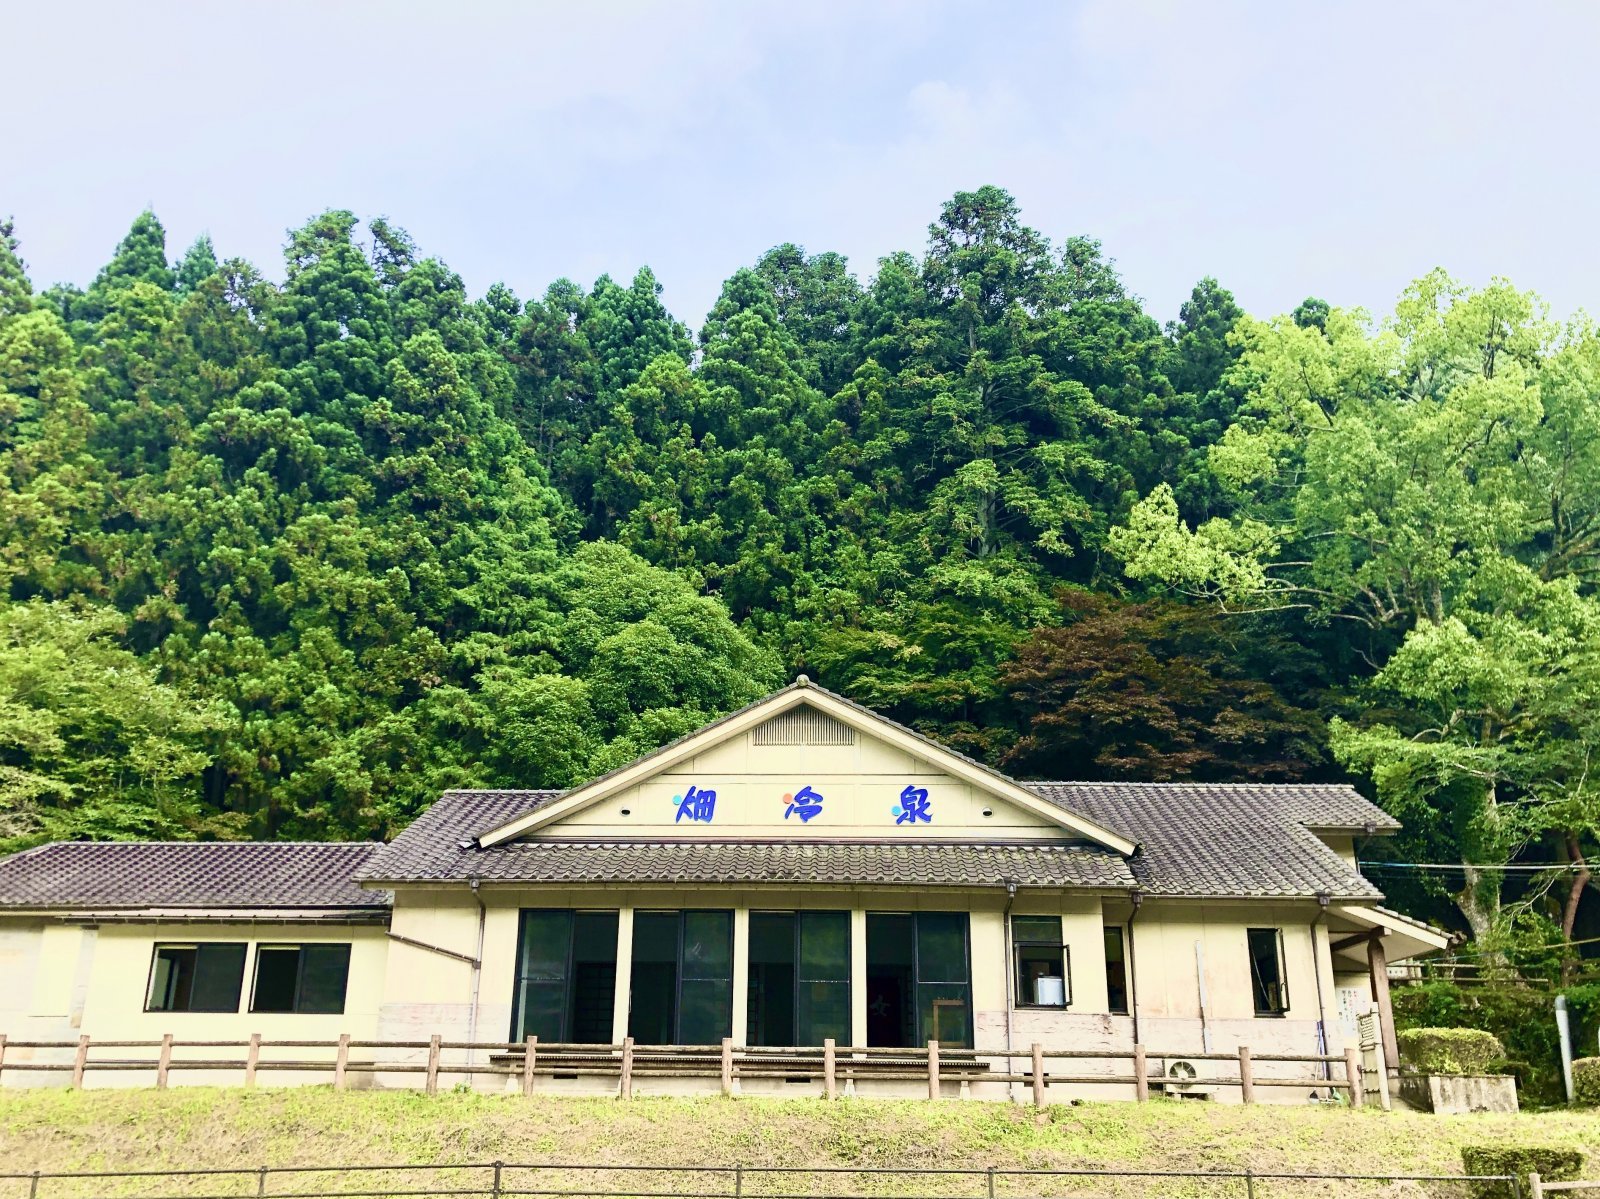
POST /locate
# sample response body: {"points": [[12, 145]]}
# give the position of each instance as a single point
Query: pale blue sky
{"points": [[1287, 148]]}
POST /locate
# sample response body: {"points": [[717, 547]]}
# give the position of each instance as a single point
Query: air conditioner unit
{"points": [[1182, 1078]]}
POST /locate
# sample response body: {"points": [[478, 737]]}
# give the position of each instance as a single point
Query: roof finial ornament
{"points": [[802, 681]]}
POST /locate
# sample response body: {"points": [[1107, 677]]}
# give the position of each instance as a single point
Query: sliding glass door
{"points": [[682, 988], [566, 976], [799, 986], [919, 979]]}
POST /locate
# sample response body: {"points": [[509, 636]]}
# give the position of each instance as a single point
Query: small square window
{"points": [[205, 977], [301, 978], [1041, 962], [1267, 971]]}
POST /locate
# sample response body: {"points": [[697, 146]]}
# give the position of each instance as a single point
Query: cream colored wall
{"points": [[114, 1008], [860, 785]]}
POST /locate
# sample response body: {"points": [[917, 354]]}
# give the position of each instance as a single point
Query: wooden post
{"points": [[433, 1064], [1141, 1080], [1382, 1073], [530, 1056], [1038, 1074], [1535, 1186], [80, 1063], [252, 1058], [1378, 970], [830, 1067], [164, 1063], [1352, 1075], [727, 1066], [625, 1086], [2, 1055], [1247, 1076], [341, 1061], [933, 1069]]}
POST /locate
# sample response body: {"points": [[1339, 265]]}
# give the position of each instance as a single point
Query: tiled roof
{"points": [[1196, 839], [178, 874], [1238, 839]]}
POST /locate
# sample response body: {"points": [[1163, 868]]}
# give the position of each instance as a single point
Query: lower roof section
{"points": [[838, 863]]}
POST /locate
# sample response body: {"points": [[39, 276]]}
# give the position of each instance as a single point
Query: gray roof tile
{"points": [[189, 874]]}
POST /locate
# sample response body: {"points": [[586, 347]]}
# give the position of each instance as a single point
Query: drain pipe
{"points": [[1011, 991], [477, 973], [1137, 898], [1316, 971]]}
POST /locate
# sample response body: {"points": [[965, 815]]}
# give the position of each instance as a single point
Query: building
{"points": [[802, 869]]}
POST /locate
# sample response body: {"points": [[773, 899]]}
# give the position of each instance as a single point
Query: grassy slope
{"points": [[62, 1130]]}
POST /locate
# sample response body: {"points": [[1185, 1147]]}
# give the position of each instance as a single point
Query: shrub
{"points": [[1553, 1163], [1586, 1081], [1520, 1015], [1450, 1050]]}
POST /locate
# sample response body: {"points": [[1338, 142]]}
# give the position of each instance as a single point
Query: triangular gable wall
{"points": [[846, 772]]}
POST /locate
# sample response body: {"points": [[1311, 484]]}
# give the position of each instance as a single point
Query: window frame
{"points": [[798, 919], [1257, 986], [1123, 934], [1059, 942], [156, 949], [569, 970], [300, 947]]}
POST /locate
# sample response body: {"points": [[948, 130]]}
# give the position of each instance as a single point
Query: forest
{"points": [[286, 559]]}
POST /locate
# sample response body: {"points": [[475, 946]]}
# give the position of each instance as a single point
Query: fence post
{"points": [[1383, 1075], [933, 1069], [625, 1084], [164, 1062], [1535, 1186], [830, 1068], [80, 1063], [252, 1058], [33, 1185], [738, 1181], [261, 1181], [991, 1182], [1352, 1075], [1247, 1076], [498, 1166], [727, 1066], [1038, 1076], [530, 1056], [1249, 1183], [1141, 1080], [2, 1054], [433, 1063], [341, 1061]]}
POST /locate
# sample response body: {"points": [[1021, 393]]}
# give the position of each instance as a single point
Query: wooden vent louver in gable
{"points": [[804, 726]]}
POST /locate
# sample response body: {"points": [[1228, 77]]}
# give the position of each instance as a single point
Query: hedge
{"points": [[1450, 1050], [1586, 1081], [1553, 1163]]}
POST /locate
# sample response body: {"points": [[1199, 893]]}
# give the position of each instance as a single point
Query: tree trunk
{"points": [[1569, 910], [1479, 902]]}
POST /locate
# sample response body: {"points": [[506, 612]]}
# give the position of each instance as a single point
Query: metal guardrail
{"points": [[591, 1181], [830, 1064]]}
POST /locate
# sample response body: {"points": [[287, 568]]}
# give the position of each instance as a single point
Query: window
{"points": [[1042, 979], [919, 979], [799, 978], [1267, 971], [566, 976], [682, 978], [196, 978], [301, 978], [1116, 972]]}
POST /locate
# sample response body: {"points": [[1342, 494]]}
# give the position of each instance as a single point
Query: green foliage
{"points": [[1449, 1050], [1553, 1163], [1586, 1081], [1521, 1017]]}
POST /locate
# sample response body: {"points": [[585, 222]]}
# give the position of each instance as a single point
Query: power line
{"points": [[1471, 865]]}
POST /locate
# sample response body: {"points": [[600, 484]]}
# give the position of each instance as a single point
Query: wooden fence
{"points": [[835, 1067]]}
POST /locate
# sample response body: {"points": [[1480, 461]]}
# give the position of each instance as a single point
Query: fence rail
{"points": [[570, 1181], [830, 1065]]}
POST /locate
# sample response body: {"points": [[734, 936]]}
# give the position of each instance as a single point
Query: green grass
{"points": [[58, 1130]]}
